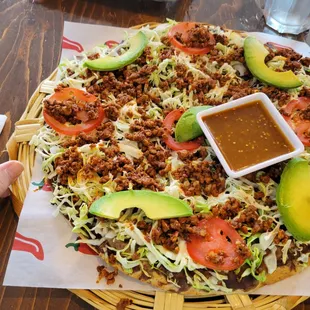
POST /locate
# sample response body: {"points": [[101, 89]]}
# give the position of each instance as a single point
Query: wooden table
{"points": [[30, 45]]}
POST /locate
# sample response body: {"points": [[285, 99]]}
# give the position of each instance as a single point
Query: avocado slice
{"points": [[293, 198], [108, 63], [155, 205], [255, 54], [187, 127]]}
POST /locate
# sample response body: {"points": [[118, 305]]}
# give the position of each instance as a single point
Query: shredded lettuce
{"points": [[271, 260], [266, 239], [285, 251], [130, 148], [276, 63]]}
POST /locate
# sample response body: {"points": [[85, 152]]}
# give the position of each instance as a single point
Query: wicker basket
{"points": [[19, 149]]}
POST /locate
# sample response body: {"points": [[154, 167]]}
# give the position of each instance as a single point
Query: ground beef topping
{"points": [[293, 59], [243, 250], [202, 85], [156, 157], [221, 78], [197, 37], [93, 56], [68, 164], [201, 178], [168, 232], [187, 156], [229, 210], [104, 273], [217, 257], [273, 172], [237, 54], [145, 57], [221, 39], [250, 218], [111, 111], [305, 61], [105, 131], [141, 179], [128, 82], [124, 172], [275, 94], [67, 110], [123, 303], [281, 237], [292, 65], [305, 92], [238, 91], [166, 53], [143, 130], [288, 53]]}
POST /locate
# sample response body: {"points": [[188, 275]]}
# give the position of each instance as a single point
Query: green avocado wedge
{"points": [[137, 44], [293, 198], [255, 54], [155, 205], [187, 127]]}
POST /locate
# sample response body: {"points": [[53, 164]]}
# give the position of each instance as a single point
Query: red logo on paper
{"points": [[71, 45], [43, 185], [82, 248], [24, 244], [111, 43]]}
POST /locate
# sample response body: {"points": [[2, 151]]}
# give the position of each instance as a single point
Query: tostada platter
{"points": [[132, 171]]}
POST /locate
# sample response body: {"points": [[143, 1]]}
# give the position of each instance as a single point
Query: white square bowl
{"points": [[275, 115]]}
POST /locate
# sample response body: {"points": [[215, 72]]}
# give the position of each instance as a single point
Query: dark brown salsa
{"points": [[247, 135]]}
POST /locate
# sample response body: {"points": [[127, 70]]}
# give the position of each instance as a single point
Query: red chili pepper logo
{"points": [[45, 185], [111, 43], [71, 45], [24, 244], [82, 248]]}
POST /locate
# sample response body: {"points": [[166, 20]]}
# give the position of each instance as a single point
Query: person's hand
{"points": [[9, 172]]}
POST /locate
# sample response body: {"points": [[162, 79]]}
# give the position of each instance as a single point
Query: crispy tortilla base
{"points": [[159, 280]]}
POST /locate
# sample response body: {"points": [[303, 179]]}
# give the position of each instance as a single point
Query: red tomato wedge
{"points": [[220, 240], [183, 28], [297, 104], [169, 121], [303, 132], [72, 130], [277, 46], [292, 116]]}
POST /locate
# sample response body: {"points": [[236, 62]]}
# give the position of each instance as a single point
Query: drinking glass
{"points": [[286, 16]]}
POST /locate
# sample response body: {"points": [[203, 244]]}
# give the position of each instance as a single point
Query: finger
{"points": [[6, 194], [9, 172]]}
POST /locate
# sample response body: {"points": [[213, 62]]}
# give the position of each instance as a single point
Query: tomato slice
{"points": [[292, 117], [169, 121], [303, 132], [85, 126], [297, 104], [69, 92], [278, 47], [183, 28], [221, 239]]}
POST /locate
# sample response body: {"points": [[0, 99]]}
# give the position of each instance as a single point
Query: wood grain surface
{"points": [[30, 45]]}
